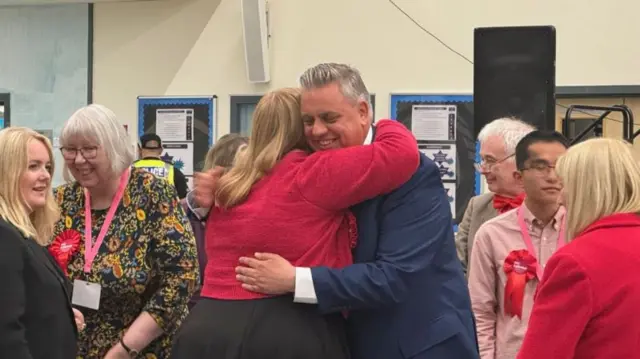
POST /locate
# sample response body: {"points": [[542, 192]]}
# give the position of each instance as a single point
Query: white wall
{"points": [[194, 47]]}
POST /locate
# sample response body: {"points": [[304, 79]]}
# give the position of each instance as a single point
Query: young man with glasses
{"points": [[498, 140], [510, 251]]}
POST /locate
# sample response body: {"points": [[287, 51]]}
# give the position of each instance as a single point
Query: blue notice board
{"points": [[467, 180], [196, 114]]}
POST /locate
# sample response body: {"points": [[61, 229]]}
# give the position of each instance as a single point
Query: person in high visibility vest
{"points": [[150, 149]]}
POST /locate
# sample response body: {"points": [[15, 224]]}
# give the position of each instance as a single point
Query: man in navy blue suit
{"points": [[406, 294]]}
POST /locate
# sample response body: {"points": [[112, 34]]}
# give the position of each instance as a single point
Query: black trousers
{"points": [[271, 328]]}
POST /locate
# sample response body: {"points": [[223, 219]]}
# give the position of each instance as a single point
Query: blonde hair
{"points": [[224, 151], [14, 147], [601, 177], [277, 129], [99, 124]]}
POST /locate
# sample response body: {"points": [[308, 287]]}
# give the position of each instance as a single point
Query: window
{"points": [[579, 124], [242, 108], [245, 116], [602, 96], [5, 110]]}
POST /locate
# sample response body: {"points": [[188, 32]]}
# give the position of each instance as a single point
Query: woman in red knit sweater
{"points": [[587, 303], [281, 198]]}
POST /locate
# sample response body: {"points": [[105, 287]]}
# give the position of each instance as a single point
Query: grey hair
{"points": [[98, 123], [351, 84], [511, 130]]}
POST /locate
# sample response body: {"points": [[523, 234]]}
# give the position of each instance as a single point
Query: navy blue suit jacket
{"points": [[406, 293]]}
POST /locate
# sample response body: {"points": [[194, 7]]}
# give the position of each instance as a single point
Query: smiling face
{"points": [[87, 162], [539, 178], [36, 179], [332, 120], [499, 167]]}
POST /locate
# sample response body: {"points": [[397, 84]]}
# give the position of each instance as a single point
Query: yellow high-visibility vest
{"points": [[158, 167]]}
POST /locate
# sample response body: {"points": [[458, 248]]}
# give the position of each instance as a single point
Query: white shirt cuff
{"points": [[305, 292], [201, 213]]}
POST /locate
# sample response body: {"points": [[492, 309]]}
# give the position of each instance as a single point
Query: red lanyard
{"points": [[529, 243], [90, 251]]}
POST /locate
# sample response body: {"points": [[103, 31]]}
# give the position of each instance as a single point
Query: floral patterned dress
{"points": [[147, 262]]}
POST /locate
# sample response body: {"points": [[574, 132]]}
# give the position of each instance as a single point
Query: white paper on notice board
{"points": [[181, 154], [174, 124], [450, 189], [434, 122], [444, 155]]}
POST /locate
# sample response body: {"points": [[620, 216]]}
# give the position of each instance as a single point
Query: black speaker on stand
{"points": [[514, 75]]}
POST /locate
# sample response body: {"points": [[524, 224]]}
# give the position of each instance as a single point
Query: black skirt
{"points": [[270, 328]]}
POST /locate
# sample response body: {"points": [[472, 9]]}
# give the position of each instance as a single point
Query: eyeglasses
{"points": [[88, 153], [487, 164], [541, 168]]}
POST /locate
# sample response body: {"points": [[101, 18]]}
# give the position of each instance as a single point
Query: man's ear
{"points": [[517, 176], [363, 110]]}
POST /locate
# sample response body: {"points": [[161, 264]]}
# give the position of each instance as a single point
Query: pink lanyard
{"points": [[90, 251], [529, 243]]}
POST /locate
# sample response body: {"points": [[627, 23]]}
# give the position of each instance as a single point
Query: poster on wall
{"points": [[174, 124], [434, 122], [444, 155], [180, 154], [186, 125], [453, 135], [450, 189]]}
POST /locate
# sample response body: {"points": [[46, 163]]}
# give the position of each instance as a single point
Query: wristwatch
{"points": [[132, 352]]}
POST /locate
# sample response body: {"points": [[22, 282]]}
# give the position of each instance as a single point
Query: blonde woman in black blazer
{"points": [[36, 318]]}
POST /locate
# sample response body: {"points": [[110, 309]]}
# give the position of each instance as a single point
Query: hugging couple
{"points": [[328, 238]]}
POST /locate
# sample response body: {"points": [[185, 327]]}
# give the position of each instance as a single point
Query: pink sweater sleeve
{"points": [[338, 179]]}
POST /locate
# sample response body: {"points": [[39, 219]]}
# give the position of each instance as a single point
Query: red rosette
{"points": [[64, 246], [520, 267]]}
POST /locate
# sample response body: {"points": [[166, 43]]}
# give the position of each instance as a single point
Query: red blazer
{"points": [[588, 304]]}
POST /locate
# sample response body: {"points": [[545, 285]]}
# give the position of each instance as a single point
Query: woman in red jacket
{"points": [[280, 198], [587, 302]]}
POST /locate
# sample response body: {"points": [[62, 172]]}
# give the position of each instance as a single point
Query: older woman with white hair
{"points": [[124, 240], [587, 301]]}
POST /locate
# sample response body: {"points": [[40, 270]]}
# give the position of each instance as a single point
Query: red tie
{"points": [[504, 204]]}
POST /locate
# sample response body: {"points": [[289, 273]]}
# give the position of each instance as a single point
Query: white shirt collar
{"points": [[369, 138]]}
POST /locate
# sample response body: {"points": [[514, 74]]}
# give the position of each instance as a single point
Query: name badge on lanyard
{"points": [[526, 237], [86, 294]]}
